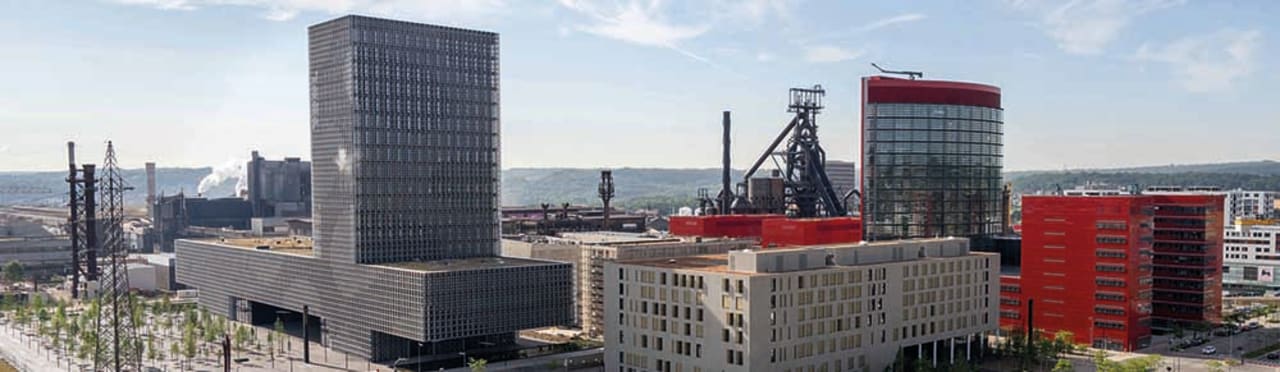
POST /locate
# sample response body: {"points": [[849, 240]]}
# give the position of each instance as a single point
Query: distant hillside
{"points": [[1256, 175], [666, 189], [50, 188], [1030, 183], [1258, 167], [634, 187]]}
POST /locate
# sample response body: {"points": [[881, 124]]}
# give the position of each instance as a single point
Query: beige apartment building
{"points": [[848, 307], [589, 251]]}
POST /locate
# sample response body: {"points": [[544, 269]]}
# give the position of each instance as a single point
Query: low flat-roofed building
{"points": [[379, 311], [40, 256], [833, 307], [589, 251]]}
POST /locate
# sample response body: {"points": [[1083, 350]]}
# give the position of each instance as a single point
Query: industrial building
{"points": [[40, 256], [1251, 256], [404, 262], [931, 158], [1087, 265], [821, 308], [172, 217], [279, 188], [549, 220]]}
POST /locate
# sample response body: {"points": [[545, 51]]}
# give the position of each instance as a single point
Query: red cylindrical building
{"points": [[931, 158]]}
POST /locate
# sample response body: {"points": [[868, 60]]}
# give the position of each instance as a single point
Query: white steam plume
{"points": [[233, 168]]}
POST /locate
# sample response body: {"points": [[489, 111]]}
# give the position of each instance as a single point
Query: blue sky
{"points": [[641, 83]]}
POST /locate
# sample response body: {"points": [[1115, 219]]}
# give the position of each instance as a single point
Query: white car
{"points": [[1209, 350]]}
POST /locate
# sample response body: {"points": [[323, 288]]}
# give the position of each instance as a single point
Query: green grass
{"points": [[1262, 351]]}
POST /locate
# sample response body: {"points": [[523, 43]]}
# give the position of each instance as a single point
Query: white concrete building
{"points": [[851, 307], [1246, 204], [589, 251], [1251, 256]]}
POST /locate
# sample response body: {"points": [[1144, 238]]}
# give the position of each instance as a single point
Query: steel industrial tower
{"points": [[118, 348], [808, 190], [82, 221]]}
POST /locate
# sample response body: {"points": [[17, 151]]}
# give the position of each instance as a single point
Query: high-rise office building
{"points": [[405, 174], [931, 158], [404, 133], [1086, 261], [1188, 258], [840, 307]]}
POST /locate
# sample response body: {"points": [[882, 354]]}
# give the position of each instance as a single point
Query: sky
{"points": [[641, 83]]}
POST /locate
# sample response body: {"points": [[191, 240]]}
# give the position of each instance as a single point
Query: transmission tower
{"points": [[118, 348]]}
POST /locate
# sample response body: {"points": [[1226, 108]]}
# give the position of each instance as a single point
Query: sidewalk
{"points": [[17, 350]]}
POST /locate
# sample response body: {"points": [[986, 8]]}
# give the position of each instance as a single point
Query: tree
{"points": [[477, 365], [151, 349], [189, 344], [1063, 341], [1064, 365], [279, 326], [14, 272], [174, 350]]}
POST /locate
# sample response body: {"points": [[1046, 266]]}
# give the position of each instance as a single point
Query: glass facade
{"points": [[405, 141], [931, 170]]}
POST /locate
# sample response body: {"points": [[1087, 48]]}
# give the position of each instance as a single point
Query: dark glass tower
{"points": [[931, 157], [404, 141]]}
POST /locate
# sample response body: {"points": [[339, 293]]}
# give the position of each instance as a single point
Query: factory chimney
{"points": [[606, 195], [151, 186], [726, 192]]}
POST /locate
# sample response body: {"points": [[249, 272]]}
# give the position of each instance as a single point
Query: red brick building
{"points": [[1087, 263], [1188, 258]]}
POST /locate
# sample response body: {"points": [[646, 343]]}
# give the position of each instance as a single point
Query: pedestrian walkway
{"points": [[20, 351]]}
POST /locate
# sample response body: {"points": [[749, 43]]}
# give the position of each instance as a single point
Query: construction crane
{"points": [[910, 74]]}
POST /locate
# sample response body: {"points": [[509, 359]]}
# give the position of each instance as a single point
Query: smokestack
{"points": [[606, 195], [73, 218], [151, 186], [726, 193]]}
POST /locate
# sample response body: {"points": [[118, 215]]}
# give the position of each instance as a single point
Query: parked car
{"points": [[1252, 326], [1273, 355], [1209, 350]]}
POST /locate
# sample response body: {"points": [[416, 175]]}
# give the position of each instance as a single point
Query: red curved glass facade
{"points": [[932, 155]]}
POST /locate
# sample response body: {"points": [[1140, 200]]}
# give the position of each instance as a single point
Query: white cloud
{"points": [[828, 53], [283, 10], [765, 57], [1207, 63], [757, 11], [1087, 26], [638, 22], [882, 23]]}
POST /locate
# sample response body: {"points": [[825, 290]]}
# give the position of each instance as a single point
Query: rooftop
{"points": [[843, 255], [472, 263], [295, 245], [711, 263], [302, 246]]}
